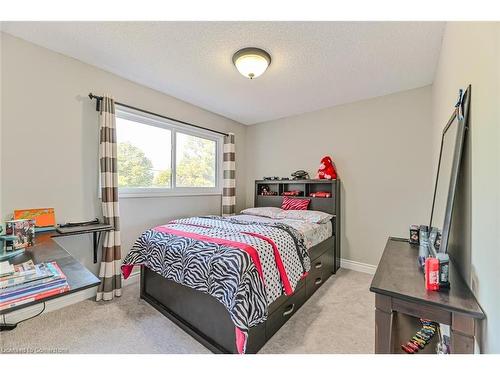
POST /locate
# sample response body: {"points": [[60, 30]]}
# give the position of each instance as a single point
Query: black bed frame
{"points": [[207, 320]]}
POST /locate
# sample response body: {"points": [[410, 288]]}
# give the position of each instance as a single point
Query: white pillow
{"points": [[271, 212], [309, 216]]}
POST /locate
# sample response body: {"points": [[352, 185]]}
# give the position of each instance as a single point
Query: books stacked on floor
{"points": [[29, 282]]}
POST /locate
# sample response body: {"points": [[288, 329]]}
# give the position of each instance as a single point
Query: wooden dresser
{"points": [[401, 299]]}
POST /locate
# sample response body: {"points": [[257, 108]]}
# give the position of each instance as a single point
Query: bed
{"points": [[231, 283]]}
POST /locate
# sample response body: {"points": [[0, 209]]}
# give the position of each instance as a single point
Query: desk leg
{"points": [[96, 245], [383, 324], [462, 334]]}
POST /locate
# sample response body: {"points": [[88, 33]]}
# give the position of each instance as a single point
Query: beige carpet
{"points": [[339, 318]]}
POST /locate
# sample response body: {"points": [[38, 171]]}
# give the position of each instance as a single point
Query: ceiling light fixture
{"points": [[251, 62]]}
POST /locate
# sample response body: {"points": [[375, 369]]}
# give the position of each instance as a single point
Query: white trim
{"points": [[477, 348], [177, 193], [64, 301], [358, 266], [132, 279]]}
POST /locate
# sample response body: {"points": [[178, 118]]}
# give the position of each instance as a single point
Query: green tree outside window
{"points": [[135, 169], [195, 162]]}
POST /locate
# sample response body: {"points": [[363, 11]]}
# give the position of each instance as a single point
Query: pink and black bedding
{"points": [[244, 265]]}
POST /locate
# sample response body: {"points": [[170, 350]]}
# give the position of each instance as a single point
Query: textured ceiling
{"points": [[314, 64]]}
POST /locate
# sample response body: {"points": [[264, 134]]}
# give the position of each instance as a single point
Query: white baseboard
{"points": [[60, 302], [132, 279], [358, 266]]}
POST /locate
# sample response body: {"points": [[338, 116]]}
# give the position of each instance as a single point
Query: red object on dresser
{"points": [[431, 274], [295, 203]]}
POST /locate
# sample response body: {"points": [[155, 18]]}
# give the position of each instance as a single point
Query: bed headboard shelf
{"points": [[329, 205]]}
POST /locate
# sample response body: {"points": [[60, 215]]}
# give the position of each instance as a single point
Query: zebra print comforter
{"points": [[244, 265]]}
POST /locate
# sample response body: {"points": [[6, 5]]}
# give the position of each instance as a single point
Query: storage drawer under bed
{"points": [[319, 249], [285, 307], [321, 270], [284, 312], [316, 252]]}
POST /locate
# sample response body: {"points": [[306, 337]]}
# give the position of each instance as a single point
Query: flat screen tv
{"points": [[450, 156]]}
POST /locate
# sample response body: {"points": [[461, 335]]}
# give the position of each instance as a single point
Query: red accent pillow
{"points": [[295, 203]]}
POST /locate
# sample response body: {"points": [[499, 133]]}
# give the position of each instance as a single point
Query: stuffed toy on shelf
{"points": [[327, 170]]}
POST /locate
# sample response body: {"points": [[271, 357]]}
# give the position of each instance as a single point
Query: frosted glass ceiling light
{"points": [[251, 62]]}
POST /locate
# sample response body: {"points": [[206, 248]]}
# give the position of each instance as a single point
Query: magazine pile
{"points": [[28, 282]]}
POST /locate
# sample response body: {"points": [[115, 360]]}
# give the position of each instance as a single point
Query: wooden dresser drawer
{"points": [[321, 270], [319, 249], [273, 306], [285, 312]]}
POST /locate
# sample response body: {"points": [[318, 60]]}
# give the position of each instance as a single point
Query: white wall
{"points": [[49, 147], [1, 92], [471, 55], [382, 152]]}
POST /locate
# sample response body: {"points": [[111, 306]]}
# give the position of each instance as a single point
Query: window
{"points": [[195, 161], [161, 157]]}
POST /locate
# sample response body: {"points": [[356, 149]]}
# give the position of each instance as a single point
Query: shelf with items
{"points": [[299, 197], [401, 299], [405, 327], [304, 188], [322, 188], [267, 188], [292, 186]]}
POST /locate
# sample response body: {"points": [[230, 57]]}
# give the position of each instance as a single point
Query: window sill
{"points": [[166, 194]]}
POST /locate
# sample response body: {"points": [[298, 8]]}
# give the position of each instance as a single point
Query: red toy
{"points": [[321, 194], [327, 170]]}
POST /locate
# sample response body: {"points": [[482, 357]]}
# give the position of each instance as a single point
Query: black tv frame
{"points": [[462, 113]]}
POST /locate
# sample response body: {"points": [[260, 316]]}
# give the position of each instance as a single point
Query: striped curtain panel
{"points": [[229, 185], [109, 272]]}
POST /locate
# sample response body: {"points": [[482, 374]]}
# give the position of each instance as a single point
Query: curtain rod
{"points": [[98, 108]]}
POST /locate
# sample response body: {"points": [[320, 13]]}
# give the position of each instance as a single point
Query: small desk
{"points": [[401, 298], [47, 250]]}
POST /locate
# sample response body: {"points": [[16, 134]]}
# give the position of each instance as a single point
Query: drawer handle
{"points": [[290, 310], [318, 281], [318, 265]]}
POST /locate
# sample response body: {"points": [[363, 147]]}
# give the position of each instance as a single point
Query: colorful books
{"points": [[25, 290], [40, 272], [23, 269], [32, 298], [48, 280]]}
